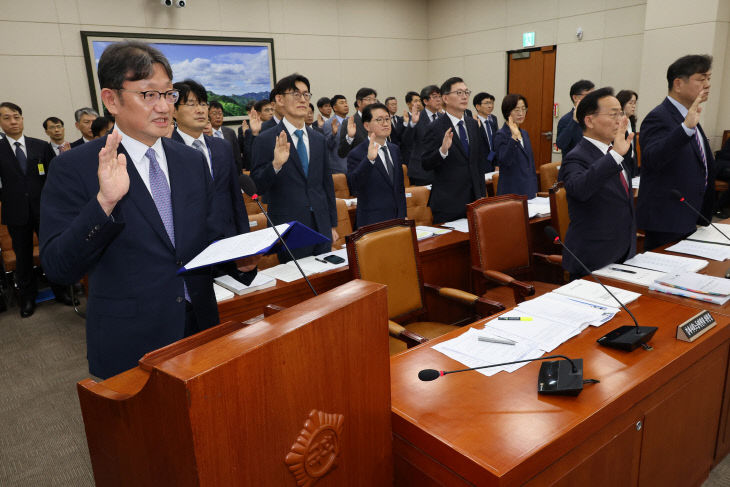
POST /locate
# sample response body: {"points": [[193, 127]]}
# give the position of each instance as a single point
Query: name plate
{"points": [[695, 327]]}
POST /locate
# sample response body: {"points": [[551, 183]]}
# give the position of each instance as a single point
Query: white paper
{"points": [[635, 182], [350, 202], [488, 176], [688, 294], [538, 206], [562, 309], [634, 275], [710, 234], [698, 283], [237, 246], [594, 293], [545, 334], [433, 230], [702, 249], [221, 293], [460, 225], [283, 272], [666, 263]]}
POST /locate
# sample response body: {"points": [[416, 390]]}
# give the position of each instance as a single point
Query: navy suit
{"points": [[516, 164], [136, 297], [458, 178], [230, 136], [488, 139], [602, 226], [292, 195], [336, 163], [569, 133], [380, 195], [396, 129], [77, 142], [417, 173], [360, 135], [670, 159]]}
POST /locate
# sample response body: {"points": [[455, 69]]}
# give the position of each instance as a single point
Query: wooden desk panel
{"points": [[498, 431]]}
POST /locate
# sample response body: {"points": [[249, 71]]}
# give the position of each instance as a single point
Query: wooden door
{"points": [[531, 73]]}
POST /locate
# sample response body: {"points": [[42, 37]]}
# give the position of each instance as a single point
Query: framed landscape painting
{"points": [[235, 71]]}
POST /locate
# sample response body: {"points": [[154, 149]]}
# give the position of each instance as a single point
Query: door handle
{"points": [[548, 134]]}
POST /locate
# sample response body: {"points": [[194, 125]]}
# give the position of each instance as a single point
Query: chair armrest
{"points": [[482, 306], [543, 194], [401, 333], [520, 287], [553, 259]]}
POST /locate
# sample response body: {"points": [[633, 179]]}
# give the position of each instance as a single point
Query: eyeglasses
{"points": [[152, 96], [382, 120], [613, 115], [299, 95], [369, 99], [520, 110], [459, 93], [192, 104]]}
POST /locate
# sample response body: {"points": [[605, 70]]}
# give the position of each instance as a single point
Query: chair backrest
{"points": [[406, 181], [548, 175], [257, 221], [559, 216], [344, 225], [417, 208], [342, 190], [495, 182], [499, 235], [251, 207], [387, 253]]}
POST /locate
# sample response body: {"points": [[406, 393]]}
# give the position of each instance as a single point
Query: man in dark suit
{"points": [[374, 172], [407, 135], [454, 150], [602, 226], [129, 210], [24, 163], [290, 168], [484, 105], [396, 122], [569, 132], [84, 117], [416, 132], [675, 154], [331, 129], [55, 130], [353, 133], [215, 113]]}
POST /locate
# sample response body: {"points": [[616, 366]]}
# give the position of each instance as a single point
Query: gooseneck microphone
{"points": [[678, 195], [624, 337], [561, 377], [249, 187]]}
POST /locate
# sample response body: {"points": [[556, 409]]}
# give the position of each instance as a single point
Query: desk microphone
{"points": [[624, 337], [249, 187], [561, 377]]}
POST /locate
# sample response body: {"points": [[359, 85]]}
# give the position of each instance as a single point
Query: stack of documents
{"points": [[310, 265], [460, 225], [696, 286], [593, 293], [635, 182], [350, 202], [710, 234], [538, 206], [221, 293], [488, 176], [627, 273], [261, 281], [702, 249], [666, 263], [425, 232]]}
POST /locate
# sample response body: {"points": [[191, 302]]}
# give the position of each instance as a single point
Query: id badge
{"points": [[41, 170]]}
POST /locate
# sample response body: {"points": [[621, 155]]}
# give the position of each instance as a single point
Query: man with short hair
{"points": [[602, 227], [215, 114], [431, 98], [84, 117], [455, 152], [354, 132], [340, 108], [324, 106], [290, 168], [57, 133], [675, 155], [569, 132], [101, 126], [130, 210], [396, 122], [24, 163], [374, 172], [484, 105]]}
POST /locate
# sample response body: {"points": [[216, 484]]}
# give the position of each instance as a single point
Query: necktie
{"points": [[302, 151], [20, 156], [621, 174], [489, 134], [462, 137], [702, 150], [388, 163], [218, 134], [204, 150], [433, 117]]}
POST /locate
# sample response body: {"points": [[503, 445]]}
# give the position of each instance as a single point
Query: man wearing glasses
{"points": [[456, 153], [602, 226], [290, 168], [129, 210]]}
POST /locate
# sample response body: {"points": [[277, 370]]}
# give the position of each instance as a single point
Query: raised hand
{"points": [[622, 144], [64, 147], [693, 115], [335, 126], [320, 120], [406, 117], [415, 117], [351, 128], [281, 150], [112, 174], [255, 122], [446, 144], [244, 126], [514, 128], [373, 148]]}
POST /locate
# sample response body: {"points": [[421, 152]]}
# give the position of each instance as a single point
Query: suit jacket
{"points": [[602, 226], [336, 163], [670, 159], [360, 135], [21, 193], [489, 144], [290, 194], [396, 129], [458, 178], [380, 196], [516, 164], [230, 207], [569, 133], [230, 136], [417, 138], [136, 297], [77, 142]]}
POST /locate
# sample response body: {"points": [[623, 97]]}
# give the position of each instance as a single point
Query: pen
{"points": [[514, 318], [321, 260], [622, 270], [501, 341]]}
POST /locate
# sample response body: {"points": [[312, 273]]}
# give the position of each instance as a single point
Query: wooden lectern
{"points": [[297, 399]]}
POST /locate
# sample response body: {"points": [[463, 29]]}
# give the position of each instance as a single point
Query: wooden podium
{"points": [[302, 397]]}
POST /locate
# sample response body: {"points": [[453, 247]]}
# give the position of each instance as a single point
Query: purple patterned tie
{"points": [[698, 139]]}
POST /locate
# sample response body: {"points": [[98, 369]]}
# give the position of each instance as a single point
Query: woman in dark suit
{"points": [[627, 99], [514, 152]]}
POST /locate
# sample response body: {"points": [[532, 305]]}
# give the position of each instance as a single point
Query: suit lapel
{"points": [[9, 155], [679, 119], [177, 171]]}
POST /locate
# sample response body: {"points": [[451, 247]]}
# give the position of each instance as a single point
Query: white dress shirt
{"points": [[189, 139], [616, 156], [305, 137], [381, 154], [137, 152]]}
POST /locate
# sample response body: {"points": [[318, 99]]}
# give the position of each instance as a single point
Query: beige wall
{"points": [[335, 43]]}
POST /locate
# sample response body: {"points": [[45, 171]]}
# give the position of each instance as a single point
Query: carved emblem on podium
{"points": [[315, 452]]}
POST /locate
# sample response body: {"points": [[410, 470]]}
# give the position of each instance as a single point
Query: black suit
{"points": [[459, 177], [396, 129], [21, 204], [360, 135], [417, 139], [77, 142], [230, 136]]}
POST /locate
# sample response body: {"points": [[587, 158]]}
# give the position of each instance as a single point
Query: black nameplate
{"points": [[695, 327]]}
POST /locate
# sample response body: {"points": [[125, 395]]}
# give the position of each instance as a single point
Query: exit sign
{"points": [[528, 39]]}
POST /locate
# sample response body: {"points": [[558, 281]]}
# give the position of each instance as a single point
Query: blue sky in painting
{"points": [[222, 69]]}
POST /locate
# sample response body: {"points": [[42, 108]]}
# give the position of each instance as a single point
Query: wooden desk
{"points": [[659, 410]]}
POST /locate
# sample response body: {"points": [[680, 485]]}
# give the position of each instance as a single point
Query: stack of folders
{"points": [[426, 232], [644, 269], [261, 281], [710, 289]]}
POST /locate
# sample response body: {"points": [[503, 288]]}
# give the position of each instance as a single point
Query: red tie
{"points": [[621, 175]]}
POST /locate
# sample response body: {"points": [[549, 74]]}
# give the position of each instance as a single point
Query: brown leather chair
{"points": [[499, 241], [406, 181], [495, 182], [548, 175], [251, 207], [342, 190], [257, 221], [344, 225], [387, 253], [417, 208], [559, 216]]}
